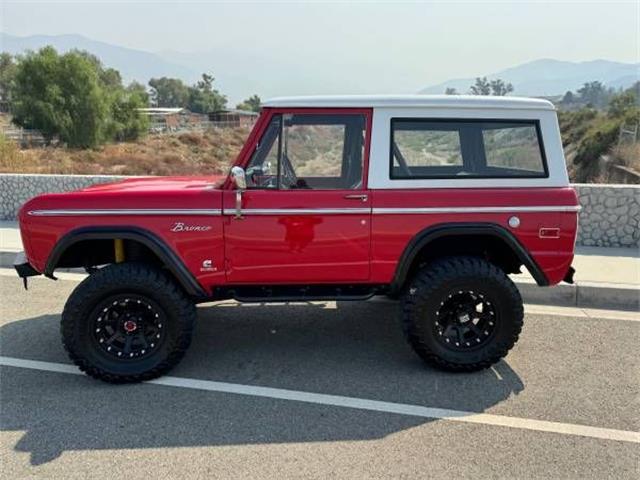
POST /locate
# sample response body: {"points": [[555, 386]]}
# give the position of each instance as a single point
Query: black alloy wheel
{"points": [[465, 320]]}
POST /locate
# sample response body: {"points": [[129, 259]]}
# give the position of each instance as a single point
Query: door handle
{"points": [[238, 215], [356, 196]]}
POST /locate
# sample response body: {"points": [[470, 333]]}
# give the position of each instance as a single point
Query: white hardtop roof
{"points": [[408, 101]]}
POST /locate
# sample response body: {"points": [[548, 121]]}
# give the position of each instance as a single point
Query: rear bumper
{"points": [[568, 278], [23, 267]]}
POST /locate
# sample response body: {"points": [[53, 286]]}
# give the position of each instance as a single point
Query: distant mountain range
{"points": [[132, 64], [548, 77], [240, 73]]}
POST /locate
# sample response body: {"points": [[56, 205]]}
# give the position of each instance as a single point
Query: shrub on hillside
{"points": [[597, 141], [591, 133], [192, 138], [203, 153], [628, 155], [9, 154]]}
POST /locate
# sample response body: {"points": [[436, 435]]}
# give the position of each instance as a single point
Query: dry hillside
{"points": [[187, 153]]}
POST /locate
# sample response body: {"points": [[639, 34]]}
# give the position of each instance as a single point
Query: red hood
{"points": [[150, 184], [137, 193]]}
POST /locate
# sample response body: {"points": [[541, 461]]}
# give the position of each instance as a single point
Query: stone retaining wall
{"points": [[609, 218], [15, 189], [610, 215]]}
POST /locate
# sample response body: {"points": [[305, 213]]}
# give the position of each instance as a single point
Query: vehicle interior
{"points": [[309, 151]]}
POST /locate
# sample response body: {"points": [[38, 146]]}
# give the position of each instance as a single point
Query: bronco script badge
{"points": [[181, 227]]}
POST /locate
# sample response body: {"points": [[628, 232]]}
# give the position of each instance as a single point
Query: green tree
{"points": [[126, 122], [568, 98], [203, 98], [451, 91], [625, 104], [72, 97], [594, 93], [481, 87], [169, 92], [140, 90], [7, 76], [251, 104], [61, 96], [500, 88]]}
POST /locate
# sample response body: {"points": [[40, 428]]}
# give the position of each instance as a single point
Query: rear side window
{"points": [[422, 148]]}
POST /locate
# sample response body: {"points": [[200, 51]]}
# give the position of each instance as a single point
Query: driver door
{"points": [[305, 216]]}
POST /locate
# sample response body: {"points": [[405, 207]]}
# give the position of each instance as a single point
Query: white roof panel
{"points": [[408, 101]]}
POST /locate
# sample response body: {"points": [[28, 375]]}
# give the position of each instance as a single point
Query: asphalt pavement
{"points": [[321, 390]]}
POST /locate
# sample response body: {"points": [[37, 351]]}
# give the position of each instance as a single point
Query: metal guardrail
{"points": [[33, 138], [24, 138], [628, 134], [158, 127]]}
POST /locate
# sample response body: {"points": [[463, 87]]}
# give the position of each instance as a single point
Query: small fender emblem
{"points": [[182, 227], [207, 266]]}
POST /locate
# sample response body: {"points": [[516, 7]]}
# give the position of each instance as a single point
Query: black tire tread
{"points": [[447, 269], [116, 275]]}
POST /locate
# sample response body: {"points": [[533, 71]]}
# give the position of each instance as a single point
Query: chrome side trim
{"points": [[120, 212], [303, 211], [299, 211], [542, 208]]}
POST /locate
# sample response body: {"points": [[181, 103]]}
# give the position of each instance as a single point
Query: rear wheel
{"points": [[127, 323], [462, 314]]}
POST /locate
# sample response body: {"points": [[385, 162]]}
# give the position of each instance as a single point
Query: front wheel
{"points": [[462, 314], [127, 323]]}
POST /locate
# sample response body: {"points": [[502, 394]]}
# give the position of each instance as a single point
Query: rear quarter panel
{"points": [[391, 233]]}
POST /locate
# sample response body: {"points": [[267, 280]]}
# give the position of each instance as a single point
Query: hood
{"points": [[154, 184], [136, 193]]}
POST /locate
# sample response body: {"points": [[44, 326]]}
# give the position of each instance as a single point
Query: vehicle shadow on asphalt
{"points": [[353, 349]]}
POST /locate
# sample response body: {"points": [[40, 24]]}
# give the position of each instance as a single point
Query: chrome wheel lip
{"points": [[466, 319], [106, 327]]}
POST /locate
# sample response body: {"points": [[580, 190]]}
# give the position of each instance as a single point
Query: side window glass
{"points": [[512, 148], [322, 152], [429, 147], [448, 148], [262, 170]]}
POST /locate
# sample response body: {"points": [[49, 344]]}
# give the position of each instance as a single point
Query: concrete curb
{"points": [[614, 296]]}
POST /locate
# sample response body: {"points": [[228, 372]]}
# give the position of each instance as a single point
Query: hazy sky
{"points": [[394, 46]]}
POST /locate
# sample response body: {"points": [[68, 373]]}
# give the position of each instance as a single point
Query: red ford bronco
{"points": [[433, 200]]}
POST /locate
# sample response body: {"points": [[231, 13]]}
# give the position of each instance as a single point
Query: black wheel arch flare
{"points": [[126, 232], [424, 237]]}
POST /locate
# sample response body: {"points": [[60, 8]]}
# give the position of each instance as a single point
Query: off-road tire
{"points": [[143, 281], [433, 284]]}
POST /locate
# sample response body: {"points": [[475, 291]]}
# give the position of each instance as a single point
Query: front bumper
{"points": [[24, 268]]}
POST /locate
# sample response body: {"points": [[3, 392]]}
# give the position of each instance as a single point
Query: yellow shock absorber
{"points": [[118, 247]]}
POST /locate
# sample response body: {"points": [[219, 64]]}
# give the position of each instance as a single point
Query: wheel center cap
{"points": [[462, 318], [130, 326]]}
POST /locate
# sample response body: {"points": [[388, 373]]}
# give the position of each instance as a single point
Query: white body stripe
{"points": [[298, 211], [419, 210], [124, 211], [308, 211]]}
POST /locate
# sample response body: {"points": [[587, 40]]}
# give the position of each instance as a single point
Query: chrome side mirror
{"points": [[237, 173]]}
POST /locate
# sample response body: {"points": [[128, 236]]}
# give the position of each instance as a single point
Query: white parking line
{"points": [[358, 403]]}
